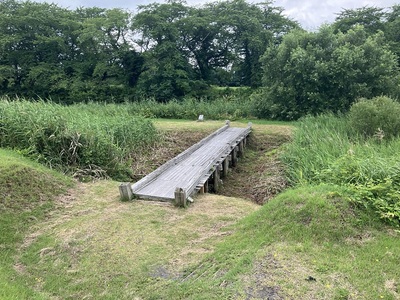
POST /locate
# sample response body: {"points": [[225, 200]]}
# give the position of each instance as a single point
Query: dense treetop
{"points": [[171, 50]]}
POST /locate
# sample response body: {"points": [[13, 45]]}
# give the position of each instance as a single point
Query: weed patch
{"points": [[325, 149], [89, 140]]}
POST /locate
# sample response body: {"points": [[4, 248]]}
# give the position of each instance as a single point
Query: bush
{"points": [[377, 117], [311, 73]]}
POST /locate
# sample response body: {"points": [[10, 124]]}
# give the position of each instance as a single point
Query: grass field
{"points": [[306, 243]]}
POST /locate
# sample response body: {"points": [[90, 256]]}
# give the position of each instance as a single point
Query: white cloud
{"points": [[310, 13]]}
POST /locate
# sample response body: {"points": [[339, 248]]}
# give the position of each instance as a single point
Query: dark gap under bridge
{"points": [[197, 169]]}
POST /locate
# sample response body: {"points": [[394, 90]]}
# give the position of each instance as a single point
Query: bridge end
{"points": [[125, 191], [180, 197]]}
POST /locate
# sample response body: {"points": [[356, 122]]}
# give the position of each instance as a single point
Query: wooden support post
{"points": [[206, 187], [180, 197], [125, 191], [216, 178], [201, 191], [233, 157], [225, 167], [245, 141], [241, 148]]}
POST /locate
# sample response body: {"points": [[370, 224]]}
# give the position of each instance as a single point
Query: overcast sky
{"points": [[310, 13]]}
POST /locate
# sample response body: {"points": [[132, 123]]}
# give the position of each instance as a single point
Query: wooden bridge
{"points": [[198, 169]]}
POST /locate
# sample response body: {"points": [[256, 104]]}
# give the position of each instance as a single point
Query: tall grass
{"points": [[92, 139], [229, 107], [317, 143], [326, 149]]}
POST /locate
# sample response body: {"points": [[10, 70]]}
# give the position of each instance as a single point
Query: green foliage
{"points": [[377, 117], [372, 18], [373, 182], [317, 143], [92, 139], [326, 149], [311, 73], [164, 51], [392, 30]]}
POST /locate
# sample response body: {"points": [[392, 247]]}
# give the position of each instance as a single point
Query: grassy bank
{"points": [[307, 243], [27, 193]]}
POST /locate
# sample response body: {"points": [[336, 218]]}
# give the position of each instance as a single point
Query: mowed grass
{"points": [[101, 248]]}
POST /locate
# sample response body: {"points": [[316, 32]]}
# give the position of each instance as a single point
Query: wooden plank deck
{"points": [[191, 169]]}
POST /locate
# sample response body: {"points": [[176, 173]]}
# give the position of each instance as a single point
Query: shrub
{"points": [[377, 117]]}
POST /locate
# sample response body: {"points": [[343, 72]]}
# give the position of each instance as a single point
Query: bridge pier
{"points": [[225, 167], [180, 197]]}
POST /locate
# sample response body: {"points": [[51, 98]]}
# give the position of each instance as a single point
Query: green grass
{"points": [[303, 232], [27, 191], [326, 149], [224, 108], [90, 140]]}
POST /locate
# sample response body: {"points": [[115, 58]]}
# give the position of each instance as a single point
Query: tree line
{"points": [[171, 50], [163, 50]]}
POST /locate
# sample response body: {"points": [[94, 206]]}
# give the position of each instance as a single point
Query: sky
{"points": [[311, 14]]}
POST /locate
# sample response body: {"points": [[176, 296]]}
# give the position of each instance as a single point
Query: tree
{"points": [[31, 47], [310, 73], [167, 73], [221, 41], [392, 30], [371, 18], [242, 32]]}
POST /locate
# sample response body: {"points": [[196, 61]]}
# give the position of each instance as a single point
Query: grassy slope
{"points": [[104, 249], [306, 232], [26, 193]]}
